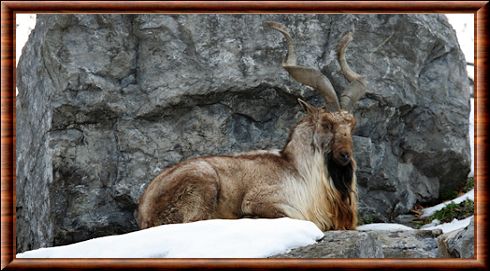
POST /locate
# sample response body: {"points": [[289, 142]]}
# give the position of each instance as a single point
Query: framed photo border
{"points": [[9, 9]]}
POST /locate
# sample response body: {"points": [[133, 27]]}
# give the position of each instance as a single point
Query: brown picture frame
{"points": [[8, 138]]}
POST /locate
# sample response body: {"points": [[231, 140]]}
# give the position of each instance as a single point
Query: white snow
{"points": [[450, 226], [24, 25], [464, 26], [431, 210], [446, 227], [383, 227], [239, 238]]}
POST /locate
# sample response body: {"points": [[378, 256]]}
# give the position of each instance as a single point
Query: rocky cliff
{"points": [[107, 101], [390, 244]]}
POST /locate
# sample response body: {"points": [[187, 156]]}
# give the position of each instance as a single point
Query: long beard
{"points": [[341, 176]]}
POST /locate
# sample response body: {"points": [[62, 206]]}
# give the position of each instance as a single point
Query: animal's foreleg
{"points": [[260, 209], [262, 204]]}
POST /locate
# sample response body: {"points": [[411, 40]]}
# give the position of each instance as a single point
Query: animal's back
{"points": [[210, 187], [184, 192]]}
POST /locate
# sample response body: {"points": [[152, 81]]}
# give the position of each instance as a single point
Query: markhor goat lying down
{"points": [[311, 178]]}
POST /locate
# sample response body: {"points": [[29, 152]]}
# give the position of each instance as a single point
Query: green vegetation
{"points": [[453, 210], [365, 219], [470, 184], [448, 195], [448, 213], [419, 223]]}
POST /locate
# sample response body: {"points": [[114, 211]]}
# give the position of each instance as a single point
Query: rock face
{"points": [[459, 243], [409, 244], [340, 244], [107, 101], [375, 244]]}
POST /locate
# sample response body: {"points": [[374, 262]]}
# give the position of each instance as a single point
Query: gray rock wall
{"points": [[107, 101], [459, 243], [340, 244], [371, 244], [390, 244]]}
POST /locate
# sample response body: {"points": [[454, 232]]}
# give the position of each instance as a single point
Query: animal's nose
{"points": [[345, 156]]}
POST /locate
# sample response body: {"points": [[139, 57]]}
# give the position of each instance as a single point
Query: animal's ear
{"points": [[308, 108]]}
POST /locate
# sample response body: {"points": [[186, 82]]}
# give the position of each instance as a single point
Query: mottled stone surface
{"points": [[409, 244], [107, 101], [458, 243], [371, 244], [340, 244]]}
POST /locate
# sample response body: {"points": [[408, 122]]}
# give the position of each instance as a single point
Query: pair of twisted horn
{"points": [[315, 79]]}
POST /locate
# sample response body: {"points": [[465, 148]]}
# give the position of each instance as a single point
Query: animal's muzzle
{"points": [[344, 158]]}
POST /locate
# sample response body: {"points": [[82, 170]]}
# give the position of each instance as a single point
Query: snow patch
{"points": [[464, 26], [384, 227], [451, 226], [431, 210], [220, 238], [25, 24]]}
